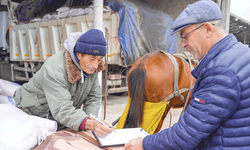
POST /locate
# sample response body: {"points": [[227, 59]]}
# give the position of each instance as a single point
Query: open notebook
{"points": [[120, 136]]}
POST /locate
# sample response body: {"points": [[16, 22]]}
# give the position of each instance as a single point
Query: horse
{"points": [[158, 76]]}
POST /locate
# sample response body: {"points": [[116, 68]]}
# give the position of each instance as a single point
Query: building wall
{"points": [[173, 8]]}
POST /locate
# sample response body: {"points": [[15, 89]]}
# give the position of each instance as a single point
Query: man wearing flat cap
{"points": [[218, 116], [66, 88]]}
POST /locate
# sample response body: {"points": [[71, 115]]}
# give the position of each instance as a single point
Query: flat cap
{"points": [[200, 11]]}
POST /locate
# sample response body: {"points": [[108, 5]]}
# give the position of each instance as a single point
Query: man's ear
{"points": [[79, 55], [100, 67], [208, 29]]}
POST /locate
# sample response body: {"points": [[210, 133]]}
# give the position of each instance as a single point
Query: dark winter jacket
{"points": [[218, 116]]}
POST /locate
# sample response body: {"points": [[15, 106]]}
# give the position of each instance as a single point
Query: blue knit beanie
{"points": [[92, 42]]}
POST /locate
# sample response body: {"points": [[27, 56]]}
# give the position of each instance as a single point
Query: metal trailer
{"points": [[31, 44]]}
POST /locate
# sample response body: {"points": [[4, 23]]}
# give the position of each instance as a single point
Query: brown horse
{"points": [[151, 78]]}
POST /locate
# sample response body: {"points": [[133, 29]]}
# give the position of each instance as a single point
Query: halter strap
{"points": [[191, 80], [178, 92], [176, 77]]}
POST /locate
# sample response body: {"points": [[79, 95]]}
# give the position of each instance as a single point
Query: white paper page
{"points": [[122, 136]]}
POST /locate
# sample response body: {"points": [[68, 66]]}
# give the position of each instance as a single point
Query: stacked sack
{"points": [[7, 90], [19, 130]]}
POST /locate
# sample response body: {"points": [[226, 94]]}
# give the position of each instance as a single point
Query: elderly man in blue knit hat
{"points": [[66, 88], [218, 116]]}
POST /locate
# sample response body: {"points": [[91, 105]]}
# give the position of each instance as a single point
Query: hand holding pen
{"points": [[102, 128]]}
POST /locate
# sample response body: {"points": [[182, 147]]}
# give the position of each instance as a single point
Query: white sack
{"points": [[22, 131], [8, 88], [7, 100], [63, 9]]}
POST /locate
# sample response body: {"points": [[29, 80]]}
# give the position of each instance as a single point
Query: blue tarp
{"points": [[142, 29]]}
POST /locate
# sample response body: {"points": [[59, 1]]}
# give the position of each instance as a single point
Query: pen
{"points": [[99, 120]]}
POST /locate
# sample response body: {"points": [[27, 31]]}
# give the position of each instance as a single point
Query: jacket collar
{"points": [[73, 71], [223, 45]]}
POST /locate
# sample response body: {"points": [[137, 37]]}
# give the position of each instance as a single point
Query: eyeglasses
{"points": [[184, 37]]}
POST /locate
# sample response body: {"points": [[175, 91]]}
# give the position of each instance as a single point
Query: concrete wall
{"points": [[171, 7], [174, 7]]}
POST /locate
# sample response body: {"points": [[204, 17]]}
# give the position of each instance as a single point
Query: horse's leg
{"points": [[163, 118]]}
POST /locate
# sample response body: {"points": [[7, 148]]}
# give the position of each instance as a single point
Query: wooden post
{"points": [[225, 9], [219, 3]]}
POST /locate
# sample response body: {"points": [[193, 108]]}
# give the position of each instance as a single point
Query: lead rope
{"points": [[190, 87], [170, 118]]}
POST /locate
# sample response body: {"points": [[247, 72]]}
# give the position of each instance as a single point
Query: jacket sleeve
{"points": [[92, 103], [220, 90], [59, 99]]}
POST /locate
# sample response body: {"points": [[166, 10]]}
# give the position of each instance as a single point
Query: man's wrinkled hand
{"points": [[102, 130]]}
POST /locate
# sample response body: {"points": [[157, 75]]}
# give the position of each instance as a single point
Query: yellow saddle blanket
{"points": [[152, 115]]}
